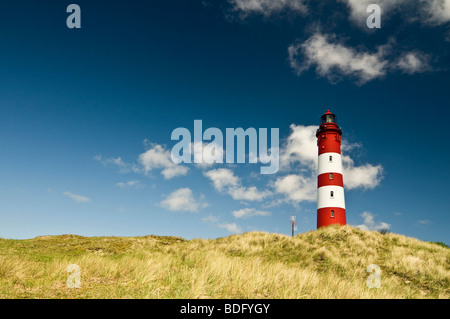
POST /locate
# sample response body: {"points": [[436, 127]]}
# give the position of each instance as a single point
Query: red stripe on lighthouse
{"points": [[325, 216], [329, 141], [328, 179]]}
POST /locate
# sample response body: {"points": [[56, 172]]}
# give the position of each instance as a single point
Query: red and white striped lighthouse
{"points": [[330, 185]]}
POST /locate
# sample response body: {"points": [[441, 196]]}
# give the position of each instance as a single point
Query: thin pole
{"points": [[293, 222]]}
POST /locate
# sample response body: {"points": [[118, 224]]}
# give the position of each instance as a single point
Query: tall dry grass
{"points": [[327, 263]]}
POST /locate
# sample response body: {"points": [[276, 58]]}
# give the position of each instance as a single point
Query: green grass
{"points": [[326, 263]]}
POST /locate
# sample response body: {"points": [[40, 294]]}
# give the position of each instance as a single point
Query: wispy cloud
{"points": [[248, 193], [210, 219], [117, 162], [413, 62], [249, 212], [233, 228], [155, 158], [130, 184], [268, 7], [77, 198]]}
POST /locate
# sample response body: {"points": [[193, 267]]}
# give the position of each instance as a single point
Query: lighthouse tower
{"points": [[330, 186]]}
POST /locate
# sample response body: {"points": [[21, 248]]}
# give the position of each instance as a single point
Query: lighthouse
{"points": [[330, 185]]}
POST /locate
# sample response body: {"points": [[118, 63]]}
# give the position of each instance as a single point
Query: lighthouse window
{"points": [[332, 194], [332, 214], [331, 159], [331, 175]]}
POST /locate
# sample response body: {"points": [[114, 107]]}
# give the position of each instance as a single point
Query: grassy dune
{"points": [[327, 263]]}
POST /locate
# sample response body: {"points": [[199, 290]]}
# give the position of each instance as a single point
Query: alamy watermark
{"points": [[235, 146], [74, 280], [373, 20], [73, 21], [374, 280]]}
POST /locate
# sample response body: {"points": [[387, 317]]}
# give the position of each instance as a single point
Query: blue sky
{"points": [[86, 115]]}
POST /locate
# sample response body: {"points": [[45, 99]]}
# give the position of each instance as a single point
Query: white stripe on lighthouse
{"points": [[325, 198], [327, 166]]}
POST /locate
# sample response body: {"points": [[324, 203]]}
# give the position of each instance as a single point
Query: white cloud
{"points": [[134, 183], [296, 188], [77, 198], [183, 200], [174, 171], [231, 227], [332, 59], [437, 11], [300, 147], [159, 158], [224, 180], [249, 212], [413, 62], [268, 7], [370, 224], [366, 176]]}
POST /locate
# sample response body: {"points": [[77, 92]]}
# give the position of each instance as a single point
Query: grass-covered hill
{"points": [[327, 263]]}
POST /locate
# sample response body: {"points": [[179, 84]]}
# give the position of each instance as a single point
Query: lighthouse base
{"points": [[331, 215]]}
